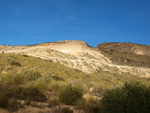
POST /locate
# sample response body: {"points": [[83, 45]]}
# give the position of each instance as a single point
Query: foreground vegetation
{"points": [[131, 98], [33, 79]]}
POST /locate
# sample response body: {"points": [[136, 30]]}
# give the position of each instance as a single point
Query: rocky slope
{"points": [[126, 48], [76, 54], [128, 54]]}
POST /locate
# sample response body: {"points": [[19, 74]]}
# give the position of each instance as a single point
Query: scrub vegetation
{"points": [[33, 79]]}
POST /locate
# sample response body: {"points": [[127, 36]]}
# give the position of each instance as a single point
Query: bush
{"points": [[132, 98], [3, 101], [56, 86], [57, 78], [18, 79], [40, 84], [26, 94], [70, 95], [16, 63]]}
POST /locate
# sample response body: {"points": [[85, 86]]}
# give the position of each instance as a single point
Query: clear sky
{"points": [[94, 21]]}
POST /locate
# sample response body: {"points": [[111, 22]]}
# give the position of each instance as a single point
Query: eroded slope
{"points": [[75, 54]]}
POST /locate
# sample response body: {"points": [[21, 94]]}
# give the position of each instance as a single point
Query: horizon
{"points": [[95, 22], [70, 40]]}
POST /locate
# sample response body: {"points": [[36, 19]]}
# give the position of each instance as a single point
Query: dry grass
{"points": [[46, 75]]}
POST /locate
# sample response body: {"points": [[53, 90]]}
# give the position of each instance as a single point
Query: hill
{"points": [[129, 54], [13, 66], [131, 48], [78, 55], [34, 80]]}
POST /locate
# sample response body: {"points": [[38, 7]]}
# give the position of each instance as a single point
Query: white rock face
{"points": [[75, 54]]}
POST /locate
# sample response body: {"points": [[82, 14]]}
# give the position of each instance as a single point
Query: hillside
{"points": [[131, 48], [127, 53], [78, 55], [33, 80], [16, 65]]}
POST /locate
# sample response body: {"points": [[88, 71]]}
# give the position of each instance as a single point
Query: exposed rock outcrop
{"points": [[75, 54]]}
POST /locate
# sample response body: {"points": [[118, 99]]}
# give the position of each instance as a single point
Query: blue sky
{"points": [[94, 21]]}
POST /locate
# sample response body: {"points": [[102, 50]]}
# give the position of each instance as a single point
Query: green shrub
{"points": [[34, 94], [40, 84], [18, 79], [56, 86], [26, 93], [57, 78], [70, 95], [14, 92], [15, 63], [132, 98], [3, 100]]}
